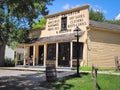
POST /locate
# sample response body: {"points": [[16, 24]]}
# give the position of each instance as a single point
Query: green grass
{"points": [[85, 82], [86, 68]]}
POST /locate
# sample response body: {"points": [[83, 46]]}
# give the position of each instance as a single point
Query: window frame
{"points": [[63, 23]]}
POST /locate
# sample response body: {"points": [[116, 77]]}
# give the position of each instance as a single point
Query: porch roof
{"points": [[60, 38]]}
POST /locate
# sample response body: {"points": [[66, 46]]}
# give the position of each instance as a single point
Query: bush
{"points": [[9, 62]]}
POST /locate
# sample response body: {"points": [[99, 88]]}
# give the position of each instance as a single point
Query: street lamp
{"points": [[78, 32]]}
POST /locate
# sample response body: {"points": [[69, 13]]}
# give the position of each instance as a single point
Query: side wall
{"points": [[9, 52], [103, 46]]}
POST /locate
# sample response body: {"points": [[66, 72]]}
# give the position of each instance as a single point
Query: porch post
{"points": [[71, 53], [24, 55], [45, 53], [56, 54], [34, 55]]}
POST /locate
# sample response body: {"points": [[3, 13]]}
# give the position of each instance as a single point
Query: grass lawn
{"points": [[100, 69], [85, 82]]}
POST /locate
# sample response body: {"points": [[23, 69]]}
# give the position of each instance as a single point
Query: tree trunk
{"points": [[2, 54]]}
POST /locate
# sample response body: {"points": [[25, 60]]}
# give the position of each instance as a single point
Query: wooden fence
{"points": [[94, 75], [117, 63]]}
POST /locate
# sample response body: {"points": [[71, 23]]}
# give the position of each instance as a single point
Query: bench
{"points": [[117, 63]]}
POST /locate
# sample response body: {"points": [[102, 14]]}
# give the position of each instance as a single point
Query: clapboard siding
{"points": [[102, 48]]}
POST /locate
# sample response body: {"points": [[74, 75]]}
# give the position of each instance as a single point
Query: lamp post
{"points": [[78, 32]]}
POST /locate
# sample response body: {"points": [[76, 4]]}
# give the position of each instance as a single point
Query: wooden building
{"points": [[56, 43]]}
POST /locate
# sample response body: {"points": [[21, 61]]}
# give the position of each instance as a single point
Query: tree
{"points": [[96, 15], [17, 16], [99, 16], [113, 21], [39, 24]]}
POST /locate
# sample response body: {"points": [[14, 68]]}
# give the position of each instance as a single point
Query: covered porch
{"points": [[54, 50]]}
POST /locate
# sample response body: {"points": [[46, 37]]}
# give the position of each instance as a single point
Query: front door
{"points": [[64, 54], [41, 55]]}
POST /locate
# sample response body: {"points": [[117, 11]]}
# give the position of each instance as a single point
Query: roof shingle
{"points": [[105, 25]]}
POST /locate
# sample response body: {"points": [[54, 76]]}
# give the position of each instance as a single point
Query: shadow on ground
{"points": [[61, 84], [34, 82], [23, 82]]}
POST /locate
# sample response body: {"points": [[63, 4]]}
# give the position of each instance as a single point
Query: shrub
{"points": [[9, 62]]}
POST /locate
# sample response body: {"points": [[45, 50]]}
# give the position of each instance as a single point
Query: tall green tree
{"points": [[99, 16], [113, 21], [39, 24], [17, 16], [96, 15]]}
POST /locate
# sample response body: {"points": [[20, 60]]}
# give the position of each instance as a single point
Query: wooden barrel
{"points": [[51, 74]]}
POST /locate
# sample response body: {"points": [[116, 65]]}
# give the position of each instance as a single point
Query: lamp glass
{"points": [[77, 32]]}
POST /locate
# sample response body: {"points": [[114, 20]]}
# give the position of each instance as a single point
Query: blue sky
{"points": [[110, 8]]}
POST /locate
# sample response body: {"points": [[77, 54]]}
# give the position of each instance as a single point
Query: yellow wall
{"points": [[103, 46], [75, 17], [79, 17]]}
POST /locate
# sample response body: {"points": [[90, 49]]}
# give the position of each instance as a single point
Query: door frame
{"points": [[64, 54]]}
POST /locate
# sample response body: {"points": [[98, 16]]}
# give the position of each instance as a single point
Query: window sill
{"points": [[76, 59], [65, 30]]}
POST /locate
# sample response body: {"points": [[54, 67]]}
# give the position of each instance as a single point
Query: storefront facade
{"points": [[56, 43]]}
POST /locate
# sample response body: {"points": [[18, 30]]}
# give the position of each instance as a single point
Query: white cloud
{"points": [[117, 17], [98, 8], [76, 6], [66, 6], [94, 7]]}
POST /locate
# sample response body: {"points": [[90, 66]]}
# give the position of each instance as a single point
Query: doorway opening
{"points": [[64, 54]]}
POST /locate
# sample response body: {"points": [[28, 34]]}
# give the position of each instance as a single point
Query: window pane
{"points": [[75, 50], [51, 52]]}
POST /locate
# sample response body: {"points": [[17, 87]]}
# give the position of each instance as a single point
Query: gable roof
{"points": [[104, 25]]}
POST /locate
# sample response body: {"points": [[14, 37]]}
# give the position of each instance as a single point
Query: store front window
{"points": [[80, 50], [64, 54], [51, 51]]}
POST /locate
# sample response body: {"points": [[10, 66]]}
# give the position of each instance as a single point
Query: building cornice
{"points": [[68, 11]]}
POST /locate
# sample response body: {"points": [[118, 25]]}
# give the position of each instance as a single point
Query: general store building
{"points": [[56, 44]]}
